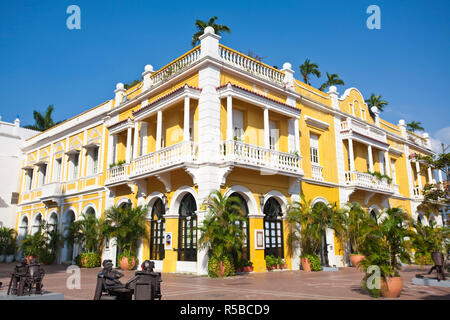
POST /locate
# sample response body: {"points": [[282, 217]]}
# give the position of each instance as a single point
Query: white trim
{"points": [[176, 200], [247, 195]]}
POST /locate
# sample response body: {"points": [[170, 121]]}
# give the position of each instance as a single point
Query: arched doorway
{"points": [[37, 224], [157, 230], [187, 229], [23, 228], [273, 228], [245, 227], [69, 218], [52, 222]]}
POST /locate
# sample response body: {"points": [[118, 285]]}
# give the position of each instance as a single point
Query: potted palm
{"points": [[428, 243], [32, 246], [386, 247], [222, 233], [88, 233], [7, 239], [308, 224], [358, 228], [127, 225]]}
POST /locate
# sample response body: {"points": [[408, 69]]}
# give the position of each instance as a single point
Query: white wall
{"points": [[12, 137]]}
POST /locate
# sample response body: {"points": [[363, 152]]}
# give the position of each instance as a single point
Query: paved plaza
{"points": [[286, 285]]}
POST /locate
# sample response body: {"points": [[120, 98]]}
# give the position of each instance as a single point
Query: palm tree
{"points": [[413, 126], [375, 101], [333, 80], [222, 232], [201, 25], [308, 224], [126, 224], [87, 232], [44, 121], [308, 68], [359, 227]]}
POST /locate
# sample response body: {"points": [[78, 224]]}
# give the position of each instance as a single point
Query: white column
{"points": [[430, 176], [136, 140], [158, 130], [110, 150], [229, 118], [386, 163], [128, 150], [419, 180], [186, 135], [440, 175], [369, 152], [83, 156], [296, 136], [266, 129], [350, 155]]}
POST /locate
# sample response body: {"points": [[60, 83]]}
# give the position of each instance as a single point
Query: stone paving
{"points": [[275, 285]]}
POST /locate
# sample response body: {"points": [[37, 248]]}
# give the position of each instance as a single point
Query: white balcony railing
{"points": [[363, 129], [244, 153], [396, 188], [178, 64], [316, 172], [366, 180], [246, 63], [117, 174], [172, 155]]}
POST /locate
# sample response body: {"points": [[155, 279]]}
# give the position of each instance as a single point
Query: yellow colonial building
{"points": [[212, 119]]}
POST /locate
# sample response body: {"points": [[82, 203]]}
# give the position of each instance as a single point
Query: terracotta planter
{"points": [[28, 258], [248, 269], [391, 287], [284, 266], [306, 264], [355, 259], [127, 265]]}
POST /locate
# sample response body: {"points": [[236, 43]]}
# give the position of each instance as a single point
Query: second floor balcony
{"points": [[256, 157], [368, 182]]}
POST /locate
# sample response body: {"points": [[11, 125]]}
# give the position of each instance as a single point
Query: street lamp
{"points": [[261, 201]]}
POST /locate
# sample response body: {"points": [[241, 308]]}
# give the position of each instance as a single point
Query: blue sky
{"points": [[42, 62]]}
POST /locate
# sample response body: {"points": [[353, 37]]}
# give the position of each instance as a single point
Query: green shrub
{"points": [[90, 260], [423, 258], [373, 292], [314, 260], [214, 267], [271, 261]]}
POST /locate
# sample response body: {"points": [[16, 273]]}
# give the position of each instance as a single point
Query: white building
{"points": [[12, 137]]}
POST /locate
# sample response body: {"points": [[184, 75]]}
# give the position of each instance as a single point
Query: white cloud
{"points": [[440, 136]]}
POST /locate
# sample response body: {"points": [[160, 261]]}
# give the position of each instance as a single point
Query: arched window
{"points": [[90, 211], [23, 229], [37, 225], [53, 222], [273, 228], [68, 248], [157, 231], [245, 226], [187, 229]]}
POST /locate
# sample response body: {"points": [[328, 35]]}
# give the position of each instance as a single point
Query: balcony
{"points": [[367, 181], [316, 172], [117, 175], [350, 126], [256, 157], [51, 192], [177, 154]]}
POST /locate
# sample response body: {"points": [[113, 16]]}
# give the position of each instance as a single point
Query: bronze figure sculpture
{"points": [[26, 278]]}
